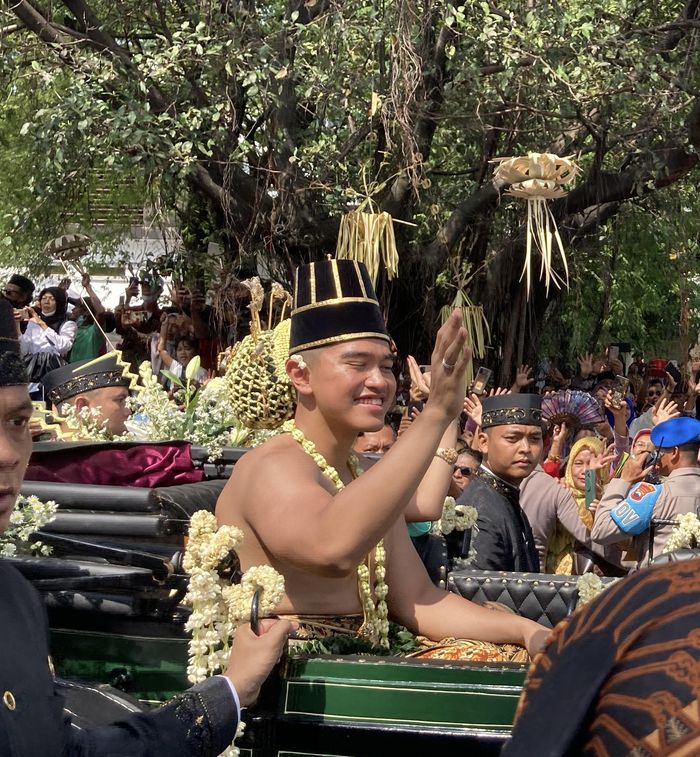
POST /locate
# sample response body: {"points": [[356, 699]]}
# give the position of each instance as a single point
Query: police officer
{"points": [[629, 504]]}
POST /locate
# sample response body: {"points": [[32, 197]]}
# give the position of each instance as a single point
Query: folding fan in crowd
{"points": [[576, 409]]}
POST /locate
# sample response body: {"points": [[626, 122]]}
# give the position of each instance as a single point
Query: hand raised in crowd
{"points": [[448, 365], [523, 377], [85, 280], [64, 283], [253, 657], [664, 410], [635, 470], [603, 460], [131, 291], [603, 429], [618, 407], [472, 407], [558, 438], [670, 385], [585, 363], [406, 420], [420, 382]]}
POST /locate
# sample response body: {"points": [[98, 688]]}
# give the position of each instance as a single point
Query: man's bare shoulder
{"points": [[270, 470]]}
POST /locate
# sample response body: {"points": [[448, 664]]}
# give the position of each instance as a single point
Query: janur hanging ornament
{"points": [[537, 178], [368, 237], [474, 321]]}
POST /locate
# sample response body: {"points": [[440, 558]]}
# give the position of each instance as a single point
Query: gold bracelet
{"points": [[448, 454]]}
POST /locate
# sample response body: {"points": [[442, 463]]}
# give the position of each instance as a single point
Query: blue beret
{"points": [[676, 431]]}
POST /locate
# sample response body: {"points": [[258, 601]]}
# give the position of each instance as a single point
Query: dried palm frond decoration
{"points": [[368, 237], [474, 320], [537, 178]]}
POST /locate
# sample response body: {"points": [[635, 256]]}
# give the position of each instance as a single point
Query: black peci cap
{"points": [[507, 409], [75, 378], [334, 301]]}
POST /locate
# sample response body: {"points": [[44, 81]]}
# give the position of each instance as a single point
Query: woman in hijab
{"points": [[588, 453], [49, 335]]}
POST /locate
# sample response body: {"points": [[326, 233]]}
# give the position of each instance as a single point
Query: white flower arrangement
{"points": [[86, 423], [685, 535], [455, 517], [589, 586], [206, 419], [217, 606], [29, 515]]}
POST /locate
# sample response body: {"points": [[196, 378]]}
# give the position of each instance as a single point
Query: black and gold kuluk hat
{"points": [[85, 375], [507, 409], [12, 372], [334, 301]]}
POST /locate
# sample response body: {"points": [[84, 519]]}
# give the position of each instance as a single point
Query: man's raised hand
{"points": [[449, 362]]}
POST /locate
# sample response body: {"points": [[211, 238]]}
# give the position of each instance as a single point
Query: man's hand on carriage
{"points": [[253, 657]]}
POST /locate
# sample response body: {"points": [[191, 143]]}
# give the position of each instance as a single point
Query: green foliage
{"points": [[256, 126]]}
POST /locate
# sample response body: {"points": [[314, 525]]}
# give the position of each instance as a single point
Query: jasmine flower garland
{"points": [[684, 535], [29, 515], [376, 614], [217, 606]]}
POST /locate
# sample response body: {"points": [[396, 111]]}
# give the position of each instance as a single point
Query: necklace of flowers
{"points": [[374, 608], [217, 606]]}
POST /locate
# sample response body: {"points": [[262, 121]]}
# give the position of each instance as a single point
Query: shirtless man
{"points": [[294, 518]]}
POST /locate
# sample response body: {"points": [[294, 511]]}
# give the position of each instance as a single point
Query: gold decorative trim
{"points": [[296, 287], [359, 277], [341, 338], [312, 281], [333, 301], [336, 279]]}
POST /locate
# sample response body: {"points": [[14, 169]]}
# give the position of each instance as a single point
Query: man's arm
{"points": [[424, 609], [427, 502], [200, 722]]}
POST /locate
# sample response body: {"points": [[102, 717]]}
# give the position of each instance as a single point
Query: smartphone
{"points": [[481, 380], [619, 390], [613, 352], [590, 487], [672, 369]]}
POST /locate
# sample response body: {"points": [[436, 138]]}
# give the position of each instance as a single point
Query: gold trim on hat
{"points": [[296, 286], [359, 278], [336, 278], [333, 301], [340, 338], [312, 281]]}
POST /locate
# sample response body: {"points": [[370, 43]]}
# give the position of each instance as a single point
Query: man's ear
{"points": [[81, 402], [298, 376], [483, 442]]}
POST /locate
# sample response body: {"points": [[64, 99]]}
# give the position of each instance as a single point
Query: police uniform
{"points": [[201, 722], [546, 503], [679, 494]]}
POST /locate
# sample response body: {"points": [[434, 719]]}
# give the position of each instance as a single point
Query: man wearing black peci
{"points": [[511, 442]]}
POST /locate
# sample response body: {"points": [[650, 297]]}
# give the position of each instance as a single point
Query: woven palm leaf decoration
{"points": [[537, 178], [68, 247], [261, 392], [368, 237], [474, 320]]}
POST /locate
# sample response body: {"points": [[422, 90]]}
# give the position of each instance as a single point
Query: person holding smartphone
{"points": [[618, 517]]}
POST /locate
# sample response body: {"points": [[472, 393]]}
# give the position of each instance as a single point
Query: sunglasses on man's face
{"points": [[464, 471], [653, 394]]}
